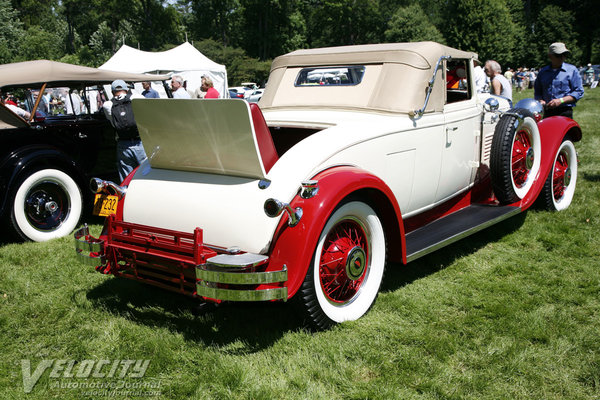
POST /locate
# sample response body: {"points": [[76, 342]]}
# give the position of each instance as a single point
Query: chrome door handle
{"points": [[448, 139]]}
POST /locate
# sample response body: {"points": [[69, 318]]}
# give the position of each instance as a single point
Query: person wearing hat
{"points": [[558, 85], [118, 110]]}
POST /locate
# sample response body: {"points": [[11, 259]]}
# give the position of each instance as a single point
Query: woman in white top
{"points": [[499, 84]]}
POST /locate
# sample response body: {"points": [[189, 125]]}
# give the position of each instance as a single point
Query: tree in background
{"points": [[411, 24], [344, 22], [240, 67], [103, 42], [155, 24], [482, 26], [11, 32], [39, 43], [268, 27], [549, 28], [215, 19]]}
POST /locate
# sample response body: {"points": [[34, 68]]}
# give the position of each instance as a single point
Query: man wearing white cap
{"points": [[118, 110], [558, 85]]}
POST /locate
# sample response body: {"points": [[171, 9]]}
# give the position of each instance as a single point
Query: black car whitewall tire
{"points": [[348, 264], [47, 204]]}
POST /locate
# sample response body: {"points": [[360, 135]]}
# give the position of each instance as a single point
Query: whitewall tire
{"points": [[47, 205], [559, 187], [347, 267]]}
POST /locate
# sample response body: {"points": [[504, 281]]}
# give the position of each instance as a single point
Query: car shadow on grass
{"points": [[398, 275], [258, 325], [591, 177]]}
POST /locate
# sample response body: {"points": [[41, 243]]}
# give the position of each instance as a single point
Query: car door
{"points": [[462, 131]]}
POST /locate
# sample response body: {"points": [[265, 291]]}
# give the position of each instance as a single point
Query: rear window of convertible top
{"points": [[330, 76]]}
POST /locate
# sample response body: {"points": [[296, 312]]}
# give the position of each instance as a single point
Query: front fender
{"points": [[294, 246], [552, 132], [16, 164]]}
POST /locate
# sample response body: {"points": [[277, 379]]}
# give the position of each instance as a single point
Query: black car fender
{"points": [[26, 160]]}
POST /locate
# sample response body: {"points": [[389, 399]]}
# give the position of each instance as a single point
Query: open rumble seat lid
{"points": [[213, 136]]}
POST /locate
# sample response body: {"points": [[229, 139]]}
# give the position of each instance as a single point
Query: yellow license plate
{"points": [[105, 205]]}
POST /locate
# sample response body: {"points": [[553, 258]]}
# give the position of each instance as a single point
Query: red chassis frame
{"points": [[171, 260]]}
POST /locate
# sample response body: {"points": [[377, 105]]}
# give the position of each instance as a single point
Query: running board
{"points": [[453, 227]]}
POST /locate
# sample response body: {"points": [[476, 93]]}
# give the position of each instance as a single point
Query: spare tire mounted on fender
{"points": [[515, 156]]}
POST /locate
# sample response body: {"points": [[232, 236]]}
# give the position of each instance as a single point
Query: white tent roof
{"points": [[184, 60], [184, 57]]}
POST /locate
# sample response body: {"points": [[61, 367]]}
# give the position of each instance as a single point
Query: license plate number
{"points": [[105, 205]]}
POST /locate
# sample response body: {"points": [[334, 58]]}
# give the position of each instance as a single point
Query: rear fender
{"points": [[294, 246], [20, 162], [552, 132]]}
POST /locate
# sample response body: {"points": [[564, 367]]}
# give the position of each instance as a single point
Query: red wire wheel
{"points": [[347, 267], [344, 260], [561, 175], [522, 158]]}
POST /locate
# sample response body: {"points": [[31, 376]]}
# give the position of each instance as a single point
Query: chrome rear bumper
{"points": [[236, 272]]}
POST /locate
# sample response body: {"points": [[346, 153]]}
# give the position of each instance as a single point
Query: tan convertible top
{"points": [[53, 72], [396, 77], [422, 55]]}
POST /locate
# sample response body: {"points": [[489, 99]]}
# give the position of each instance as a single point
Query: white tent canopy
{"points": [[184, 60]]}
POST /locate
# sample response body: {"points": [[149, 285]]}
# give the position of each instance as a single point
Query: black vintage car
{"points": [[48, 154]]}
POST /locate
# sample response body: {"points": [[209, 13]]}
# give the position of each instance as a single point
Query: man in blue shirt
{"points": [[148, 92], [558, 85]]}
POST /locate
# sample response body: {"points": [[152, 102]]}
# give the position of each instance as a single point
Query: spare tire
{"points": [[515, 156]]}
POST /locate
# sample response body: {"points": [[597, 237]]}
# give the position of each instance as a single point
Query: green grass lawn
{"points": [[512, 312]]}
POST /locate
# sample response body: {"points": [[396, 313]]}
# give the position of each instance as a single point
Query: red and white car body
{"points": [[390, 156]]}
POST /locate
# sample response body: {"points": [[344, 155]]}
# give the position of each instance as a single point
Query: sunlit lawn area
{"points": [[513, 312]]}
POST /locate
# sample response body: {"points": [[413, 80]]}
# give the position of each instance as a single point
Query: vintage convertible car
{"points": [[46, 160], [361, 155]]}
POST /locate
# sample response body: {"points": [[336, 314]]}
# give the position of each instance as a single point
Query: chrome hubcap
{"points": [[567, 176], [355, 263], [51, 206], [529, 158]]}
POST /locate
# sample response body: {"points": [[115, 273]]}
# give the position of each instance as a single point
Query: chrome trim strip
{"points": [[241, 278], [241, 295], [461, 235]]}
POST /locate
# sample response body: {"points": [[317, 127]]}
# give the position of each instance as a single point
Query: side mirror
{"points": [[492, 104]]}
